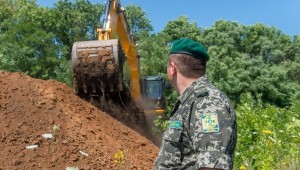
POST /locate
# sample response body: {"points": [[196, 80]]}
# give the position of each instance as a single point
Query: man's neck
{"points": [[183, 83]]}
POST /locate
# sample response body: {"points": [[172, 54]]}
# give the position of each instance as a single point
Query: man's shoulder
{"points": [[211, 92]]}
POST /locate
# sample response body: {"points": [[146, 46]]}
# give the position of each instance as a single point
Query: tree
{"points": [[38, 41], [154, 52], [180, 28], [246, 59], [72, 22], [138, 22], [25, 45]]}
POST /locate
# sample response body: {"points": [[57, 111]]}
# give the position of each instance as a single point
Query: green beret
{"points": [[189, 47]]}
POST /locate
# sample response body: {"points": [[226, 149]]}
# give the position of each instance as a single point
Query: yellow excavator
{"points": [[98, 65]]}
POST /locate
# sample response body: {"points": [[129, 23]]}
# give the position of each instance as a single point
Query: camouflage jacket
{"points": [[202, 130]]}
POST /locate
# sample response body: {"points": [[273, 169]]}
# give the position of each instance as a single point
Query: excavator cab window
{"points": [[154, 89], [153, 93]]}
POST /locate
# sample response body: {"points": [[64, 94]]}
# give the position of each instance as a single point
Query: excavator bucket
{"points": [[97, 67]]}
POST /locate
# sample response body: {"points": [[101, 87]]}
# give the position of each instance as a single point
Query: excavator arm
{"points": [[98, 65], [116, 27]]}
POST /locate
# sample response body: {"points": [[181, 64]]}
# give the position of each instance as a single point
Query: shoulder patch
{"points": [[175, 124], [210, 123]]}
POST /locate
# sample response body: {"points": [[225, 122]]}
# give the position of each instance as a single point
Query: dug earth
{"points": [[44, 125]]}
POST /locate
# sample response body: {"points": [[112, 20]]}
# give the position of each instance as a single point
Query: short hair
{"points": [[189, 66]]}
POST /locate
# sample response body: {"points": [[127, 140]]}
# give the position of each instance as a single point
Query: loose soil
{"points": [[84, 136]]}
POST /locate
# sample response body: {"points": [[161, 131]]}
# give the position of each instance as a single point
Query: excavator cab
{"points": [[153, 98]]}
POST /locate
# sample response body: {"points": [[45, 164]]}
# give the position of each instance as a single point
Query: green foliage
{"points": [[268, 136], [180, 28], [154, 53], [137, 21], [38, 41], [63, 72], [25, 46], [252, 59], [72, 22]]}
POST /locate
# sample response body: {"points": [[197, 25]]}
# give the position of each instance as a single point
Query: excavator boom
{"points": [[98, 74], [98, 65]]}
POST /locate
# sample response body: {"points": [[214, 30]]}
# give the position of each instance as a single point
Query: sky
{"points": [[284, 15]]}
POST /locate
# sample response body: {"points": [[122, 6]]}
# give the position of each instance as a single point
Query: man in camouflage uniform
{"points": [[202, 130]]}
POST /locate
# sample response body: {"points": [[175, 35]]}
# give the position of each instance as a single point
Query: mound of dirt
{"points": [[45, 126]]}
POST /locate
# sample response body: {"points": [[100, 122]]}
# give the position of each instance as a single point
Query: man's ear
{"points": [[173, 68]]}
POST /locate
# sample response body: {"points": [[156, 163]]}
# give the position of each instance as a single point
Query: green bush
{"points": [[268, 136]]}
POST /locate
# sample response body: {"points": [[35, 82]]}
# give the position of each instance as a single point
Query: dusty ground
{"points": [[84, 136]]}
